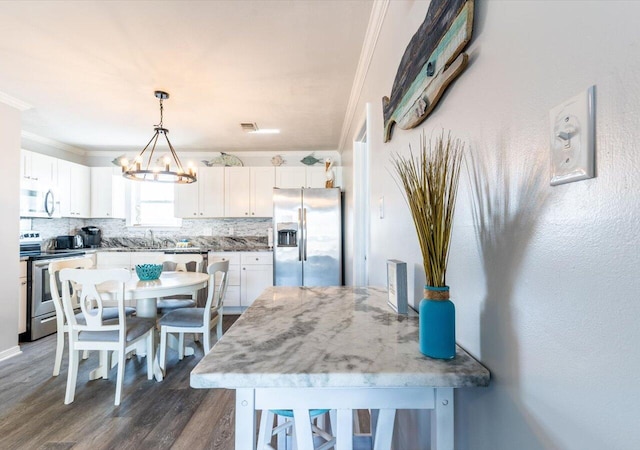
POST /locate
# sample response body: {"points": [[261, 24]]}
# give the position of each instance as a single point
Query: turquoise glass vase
{"points": [[437, 327]]}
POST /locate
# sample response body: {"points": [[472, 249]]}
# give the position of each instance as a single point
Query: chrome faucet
{"points": [[151, 237]]}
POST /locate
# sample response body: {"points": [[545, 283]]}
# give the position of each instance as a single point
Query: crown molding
{"points": [[368, 47], [211, 154], [53, 143], [14, 102]]}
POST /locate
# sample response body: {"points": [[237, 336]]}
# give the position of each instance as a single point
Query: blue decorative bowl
{"points": [[148, 272]]}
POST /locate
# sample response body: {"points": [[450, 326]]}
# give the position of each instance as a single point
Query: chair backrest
{"points": [[183, 262], [54, 268], [91, 301], [218, 279]]}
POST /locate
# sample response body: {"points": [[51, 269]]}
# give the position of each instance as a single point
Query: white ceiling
{"points": [[88, 69]]}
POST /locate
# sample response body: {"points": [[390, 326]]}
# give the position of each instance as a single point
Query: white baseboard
{"points": [[10, 353]]}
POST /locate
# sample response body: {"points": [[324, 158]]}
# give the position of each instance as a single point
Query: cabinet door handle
{"points": [[23, 283]]}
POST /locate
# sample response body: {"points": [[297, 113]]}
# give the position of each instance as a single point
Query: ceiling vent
{"points": [[249, 127]]}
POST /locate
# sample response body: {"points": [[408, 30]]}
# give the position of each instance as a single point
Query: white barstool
{"points": [[311, 430]]}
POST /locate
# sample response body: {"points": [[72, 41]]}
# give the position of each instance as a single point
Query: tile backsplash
{"points": [[116, 228]]}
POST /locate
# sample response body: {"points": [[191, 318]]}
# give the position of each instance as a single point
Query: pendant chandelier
{"points": [[170, 170]]}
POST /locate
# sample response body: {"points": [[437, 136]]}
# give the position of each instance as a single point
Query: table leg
{"points": [[174, 343], [102, 371], [442, 420], [146, 307], [245, 419]]}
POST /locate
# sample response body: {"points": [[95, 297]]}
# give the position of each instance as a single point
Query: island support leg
{"points": [[442, 420], [344, 430], [384, 429], [245, 419]]}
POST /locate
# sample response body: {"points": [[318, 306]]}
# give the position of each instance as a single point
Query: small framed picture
{"points": [[397, 285]]}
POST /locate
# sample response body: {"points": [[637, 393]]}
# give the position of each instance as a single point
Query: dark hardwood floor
{"points": [[152, 415]]}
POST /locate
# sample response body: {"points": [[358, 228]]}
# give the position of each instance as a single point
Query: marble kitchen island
{"points": [[338, 348]]}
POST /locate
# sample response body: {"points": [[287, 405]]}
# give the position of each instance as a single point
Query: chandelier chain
{"points": [[161, 114]]}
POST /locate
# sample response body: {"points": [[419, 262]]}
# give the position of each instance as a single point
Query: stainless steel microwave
{"points": [[38, 203]]}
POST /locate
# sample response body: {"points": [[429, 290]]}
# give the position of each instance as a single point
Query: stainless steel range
{"points": [[41, 313]]}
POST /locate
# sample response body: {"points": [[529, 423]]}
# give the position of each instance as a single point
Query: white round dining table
{"points": [[146, 294]]}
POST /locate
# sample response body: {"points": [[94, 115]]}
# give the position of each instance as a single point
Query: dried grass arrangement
{"points": [[430, 182]]}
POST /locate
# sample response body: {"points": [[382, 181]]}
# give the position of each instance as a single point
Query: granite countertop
{"points": [[203, 244], [174, 249], [328, 337]]}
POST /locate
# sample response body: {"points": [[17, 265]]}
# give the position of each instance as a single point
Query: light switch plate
{"points": [[573, 139]]}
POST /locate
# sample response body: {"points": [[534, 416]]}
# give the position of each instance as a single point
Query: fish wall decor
{"points": [[431, 61], [310, 160], [225, 160]]}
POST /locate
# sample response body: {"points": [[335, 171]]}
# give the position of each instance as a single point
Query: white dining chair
{"points": [[61, 319], [179, 262], [121, 335], [197, 320]]}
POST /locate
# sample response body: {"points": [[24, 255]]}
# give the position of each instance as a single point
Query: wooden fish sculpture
{"points": [[224, 159], [432, 60]]}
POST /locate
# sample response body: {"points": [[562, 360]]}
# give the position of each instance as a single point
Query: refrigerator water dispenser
{"points": [[287, 234]]}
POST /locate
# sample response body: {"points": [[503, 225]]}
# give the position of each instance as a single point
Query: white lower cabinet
{"points": [[145, 258], [232, 296], [249, 273], [125, 260], [256, 275]]}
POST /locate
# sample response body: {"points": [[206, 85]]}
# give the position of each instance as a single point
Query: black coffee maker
{"points": [[92, 237]]}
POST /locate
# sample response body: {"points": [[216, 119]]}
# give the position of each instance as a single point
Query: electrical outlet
{"points": [[230, 231], [573, 139]]}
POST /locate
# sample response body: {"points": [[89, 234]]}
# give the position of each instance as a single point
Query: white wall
{"points": [[9, 229], [547, 283]]}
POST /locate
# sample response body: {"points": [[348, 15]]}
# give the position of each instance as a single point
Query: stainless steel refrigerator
{"points": [[307, 227]]}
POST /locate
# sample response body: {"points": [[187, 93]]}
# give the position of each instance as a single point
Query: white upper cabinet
{"points": [[107, 193], [74, 187], [291, 177], [38, 170], [304, 176], [204, 198], [249, 191], [316, 176]]}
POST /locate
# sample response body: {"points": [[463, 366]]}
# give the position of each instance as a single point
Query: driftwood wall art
{"points": [[432, 60]]}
